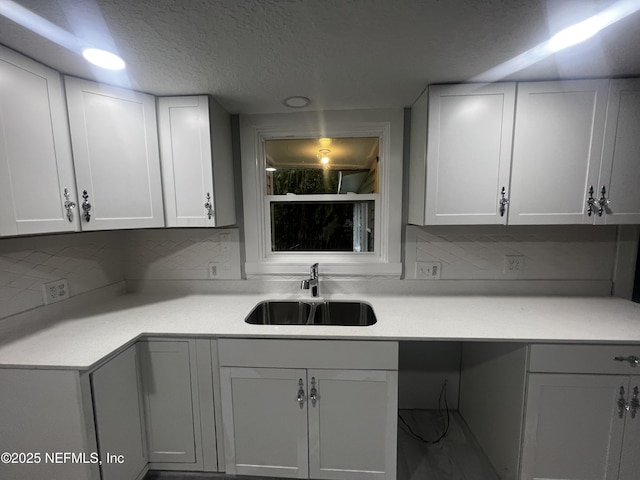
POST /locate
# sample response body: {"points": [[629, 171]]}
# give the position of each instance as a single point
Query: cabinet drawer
{"points": [[583, 359], [364, 355]]}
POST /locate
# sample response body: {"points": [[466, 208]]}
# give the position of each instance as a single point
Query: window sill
{"points": [[327, 268]]}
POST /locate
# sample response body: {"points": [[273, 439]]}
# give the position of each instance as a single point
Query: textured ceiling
{"points": [[342, 54]]}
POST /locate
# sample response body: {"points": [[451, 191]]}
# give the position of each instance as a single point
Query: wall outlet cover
{"points": [[55, 291], [428, 270], [513, 266]]}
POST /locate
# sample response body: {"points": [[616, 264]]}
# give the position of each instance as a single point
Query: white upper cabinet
{"points": [[557, 148], [620, 170], [458, 171], [115, 150], [35, 153], [197, 164]]}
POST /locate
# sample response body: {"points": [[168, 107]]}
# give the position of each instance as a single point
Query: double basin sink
{"points": [[300, 312]]}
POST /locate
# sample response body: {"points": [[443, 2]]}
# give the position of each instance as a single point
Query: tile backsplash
{"points": [[91, 260], [182, 254], [87, 260], [563, 252]]}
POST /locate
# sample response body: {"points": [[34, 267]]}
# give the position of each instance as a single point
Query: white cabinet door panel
{"points": [[572, 427], [115, 146], [171, 396], [630, 461], [468, 152], [35, 151], [620, 171], [557, 148], [185, 148], [352, 424], [265, 426], [119, 418]]}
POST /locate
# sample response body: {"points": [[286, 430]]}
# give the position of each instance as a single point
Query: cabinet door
{"points": [[620, 171], [352, 424], [35, 153], [171, 401], [470, 130], [264, 423], [630, 463], [118, 414], [185, 154], [573, 429], [115, 150], [556, 151]]}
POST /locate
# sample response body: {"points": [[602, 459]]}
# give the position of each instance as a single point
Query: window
{"points": [[342, 211], [321, 194]]}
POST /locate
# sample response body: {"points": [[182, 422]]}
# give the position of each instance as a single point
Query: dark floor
{"points": [[455, 457]]}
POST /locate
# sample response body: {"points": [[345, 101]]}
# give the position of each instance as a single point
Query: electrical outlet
{"points": [[428, 270], [513, 265], [213, 270], [55, 291]]}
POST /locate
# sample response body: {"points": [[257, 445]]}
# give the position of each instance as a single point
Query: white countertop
{"points": [[80, 339]]}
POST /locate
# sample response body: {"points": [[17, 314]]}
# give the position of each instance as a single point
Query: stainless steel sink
{"points": [[293, 312]]}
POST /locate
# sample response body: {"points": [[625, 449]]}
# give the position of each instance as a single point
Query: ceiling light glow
{"points": [[565, 38], [324, 155], [103, 59]]}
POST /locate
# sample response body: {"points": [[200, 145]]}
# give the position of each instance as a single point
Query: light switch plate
{"points": [[213, 270]]}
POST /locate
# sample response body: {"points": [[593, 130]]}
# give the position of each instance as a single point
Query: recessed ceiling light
{"points": [[297, 102], [103, 59], [270, 169]]}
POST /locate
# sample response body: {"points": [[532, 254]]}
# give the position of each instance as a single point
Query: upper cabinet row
{"points": [[107, 157], [534, 153]]}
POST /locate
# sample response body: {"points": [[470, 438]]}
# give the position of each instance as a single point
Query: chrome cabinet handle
{"points": [[313, 393], [632, 359], [621, 403], [591, 202], [634, 404], [208, 206], [86, 206], [603, 201], [504, 201], [68, 205], [300, 393]]}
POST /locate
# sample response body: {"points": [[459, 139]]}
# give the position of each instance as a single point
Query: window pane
{"points": [[322, 165], [322, 226]]}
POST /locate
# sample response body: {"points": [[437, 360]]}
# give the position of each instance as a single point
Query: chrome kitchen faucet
{"points": [[313, 283]]}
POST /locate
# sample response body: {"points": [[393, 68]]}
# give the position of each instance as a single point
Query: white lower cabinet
{"points": [[177, 389], [582, 413], [170, 401], [331, 423], [117, 407], [350, 423], [574, 426], [574, 410]]}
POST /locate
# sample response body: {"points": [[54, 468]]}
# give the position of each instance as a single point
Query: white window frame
{"points": [[255, 130]]}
